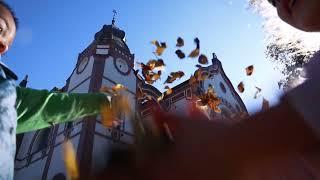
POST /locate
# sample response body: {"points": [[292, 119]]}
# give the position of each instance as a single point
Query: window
{"points": [[223, 88], [41, 141]]}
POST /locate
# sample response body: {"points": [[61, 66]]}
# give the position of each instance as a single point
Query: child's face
{"points": [[302, 14], [7, 29]]}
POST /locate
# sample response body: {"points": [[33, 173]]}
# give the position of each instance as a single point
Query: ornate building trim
{"points": [[229, 84]]}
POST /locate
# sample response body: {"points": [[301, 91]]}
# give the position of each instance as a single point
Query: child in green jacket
{"points": [[24, 109]]}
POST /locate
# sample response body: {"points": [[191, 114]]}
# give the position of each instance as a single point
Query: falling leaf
{"points": [[241, 87], [249, 70], [203, 59], [160, 47], [174, 76], [114, 90], [107, 117], [160, 97], [217, 110], [210, 99], [152, 77], [180, 54], [194, 53], [156, 64], [118, 87], [201, 75], [119, 103], [180, 42], [70, 161], [265, 105], [169, 90], [257, 93], [197, 42]]}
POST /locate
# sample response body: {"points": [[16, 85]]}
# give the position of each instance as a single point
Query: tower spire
{"points": [[114, 16]]}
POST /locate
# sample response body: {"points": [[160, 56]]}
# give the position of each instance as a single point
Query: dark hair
{"points": [[4, 4]]}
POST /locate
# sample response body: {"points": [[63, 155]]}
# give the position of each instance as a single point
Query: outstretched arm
{"points": [[39, 109], [205, 150]]}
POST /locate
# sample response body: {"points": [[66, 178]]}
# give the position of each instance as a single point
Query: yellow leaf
{"points": [[70, 161], [118, 87], [160, 97], [160, 50], [160, 47], [169, 90]]}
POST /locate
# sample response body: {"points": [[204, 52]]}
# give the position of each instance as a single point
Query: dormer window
{"points": [[223, 88]]}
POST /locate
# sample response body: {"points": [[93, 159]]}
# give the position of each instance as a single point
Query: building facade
{"points": [[107, 61]]}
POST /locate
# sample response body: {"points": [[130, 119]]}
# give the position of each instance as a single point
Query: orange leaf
{"points": [[160, 47], [194, 53], [203, 59], [241, 87], [70, 160], [169, 90], [210, 99], [249, 70], [174, 76], [107, 116], [156, 64]]}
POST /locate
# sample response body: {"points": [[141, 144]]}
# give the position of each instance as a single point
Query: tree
{"points": [[288, 48]]}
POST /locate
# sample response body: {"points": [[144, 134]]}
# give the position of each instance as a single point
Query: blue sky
{"points": [[53, 32]]}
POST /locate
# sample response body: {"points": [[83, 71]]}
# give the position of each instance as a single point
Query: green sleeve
{"points": [[39, 109]]}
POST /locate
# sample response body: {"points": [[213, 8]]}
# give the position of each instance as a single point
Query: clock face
{"points": [[83, 64], [122, 66]]}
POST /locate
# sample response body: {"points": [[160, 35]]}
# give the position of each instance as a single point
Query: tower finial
{"points": [[114, 16]]}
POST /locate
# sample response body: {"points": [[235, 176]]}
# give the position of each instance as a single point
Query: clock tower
{"points": [[107, 61]]}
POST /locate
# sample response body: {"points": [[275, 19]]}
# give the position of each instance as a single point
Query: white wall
{"points": [[111, 72], [57, 161], [76, 79], [34, 171]]}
